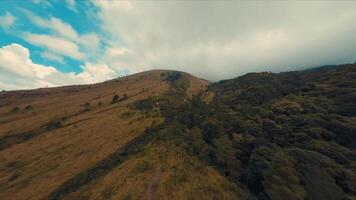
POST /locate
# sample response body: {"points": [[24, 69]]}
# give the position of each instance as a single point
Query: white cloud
{"points": [[42, 2], [55, 24], [17, 71], [51, 56], [71, 5], [59, 45], [68, 36], [116, 51], [90, 41], [94, 73], [213, 40], [217, 40], [7, 20], [120, 5]]}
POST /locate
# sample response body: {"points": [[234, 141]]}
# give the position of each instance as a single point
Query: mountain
{"points": [[169, 135]]}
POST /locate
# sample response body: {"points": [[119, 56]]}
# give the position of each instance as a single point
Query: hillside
{"points": [[49, 135], [169, 135]]}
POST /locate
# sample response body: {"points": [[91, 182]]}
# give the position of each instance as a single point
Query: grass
{"points": [[159, 170]]}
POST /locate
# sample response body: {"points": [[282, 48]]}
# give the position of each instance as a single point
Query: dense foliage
{"points": [[277, 136]]}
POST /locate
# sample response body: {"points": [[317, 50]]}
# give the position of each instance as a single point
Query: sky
{"points": [[65, 42]]}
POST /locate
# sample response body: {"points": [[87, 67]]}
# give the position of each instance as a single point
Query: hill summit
{"points": [[166, 134]]}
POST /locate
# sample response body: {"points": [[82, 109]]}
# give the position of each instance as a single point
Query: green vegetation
{"points": [[54, 124], [177, 80], [273, 136], [115, 99], [29, 107], [15, 109], [145, 104], [278, 136], [86, 107]]}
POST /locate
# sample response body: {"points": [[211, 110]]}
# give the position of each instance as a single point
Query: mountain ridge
{"points": [[158, 133]]}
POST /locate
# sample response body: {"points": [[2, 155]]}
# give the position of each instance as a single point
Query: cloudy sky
{"points": [[52, 43]]}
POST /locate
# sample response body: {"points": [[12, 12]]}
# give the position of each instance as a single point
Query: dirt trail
{"points": [[154, 181]]}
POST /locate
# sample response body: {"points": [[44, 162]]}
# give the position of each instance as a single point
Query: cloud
{"points": [[213, 40], [50, 56], [7, 20], [71, 5], [42, 2], [89, 41], [55, 24], [218, 40], [17, 71], [59, 45], [94, 73], [71, 43]]}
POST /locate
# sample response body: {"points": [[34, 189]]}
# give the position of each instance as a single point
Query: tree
{"points": [[115, 99], [15, 109], [29, 107], [87, 106]]}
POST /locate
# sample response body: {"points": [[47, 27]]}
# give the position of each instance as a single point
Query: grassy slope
{"points": [[57, 138], [161, 171]]}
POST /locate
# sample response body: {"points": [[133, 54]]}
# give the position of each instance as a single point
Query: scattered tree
{"points": [[29, 107], [15, 109], [115, 99], [87, 106]]}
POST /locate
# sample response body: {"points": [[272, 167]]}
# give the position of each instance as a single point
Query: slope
{"points": [[172, 136], [49, 135]]}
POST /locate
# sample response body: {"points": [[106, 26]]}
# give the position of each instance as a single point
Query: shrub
{"points": [[29, 107], [145, 104], [86, 106], [54, 124], [15, 109], [115, 99]]}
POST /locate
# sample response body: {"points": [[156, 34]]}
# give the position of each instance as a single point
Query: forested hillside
{"points": [[273, 136]]}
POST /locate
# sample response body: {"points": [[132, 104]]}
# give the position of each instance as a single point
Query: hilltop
{"points": [[166, 134]]}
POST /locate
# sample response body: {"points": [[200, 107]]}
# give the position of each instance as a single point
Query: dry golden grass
{"points": [[44, 158], [161, 171], [208, 97]]}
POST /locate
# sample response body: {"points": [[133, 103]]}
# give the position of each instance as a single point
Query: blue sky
{"points": [[63, 42], [79, 17]]}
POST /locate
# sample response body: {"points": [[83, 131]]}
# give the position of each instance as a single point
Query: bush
{"points": [[86, 106], [115, 99], [15, 109], [29, 107], [145, 104], [54, 124]]}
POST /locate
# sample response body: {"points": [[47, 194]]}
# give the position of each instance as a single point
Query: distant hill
{"points": [[166, 134]]}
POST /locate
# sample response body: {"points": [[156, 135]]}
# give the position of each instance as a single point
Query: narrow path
{"points": [[154, 181]]}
